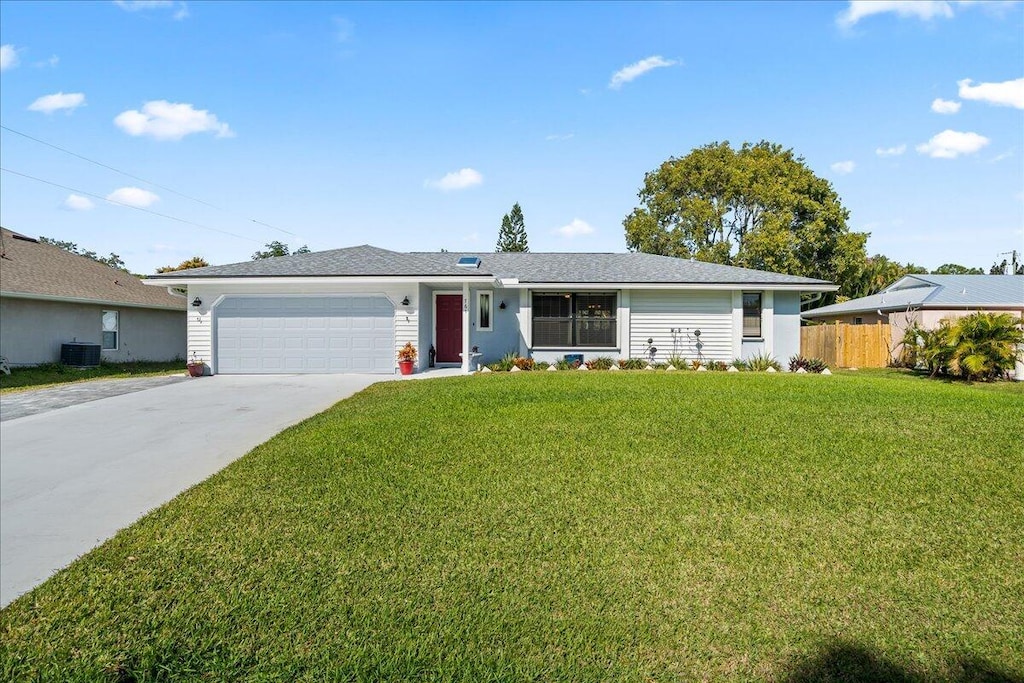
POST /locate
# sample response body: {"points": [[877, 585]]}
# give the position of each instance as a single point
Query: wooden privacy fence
{"points": [[847, 346]]}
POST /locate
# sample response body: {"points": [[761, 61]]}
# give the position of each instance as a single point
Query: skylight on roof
{"points": [[469, 262]]}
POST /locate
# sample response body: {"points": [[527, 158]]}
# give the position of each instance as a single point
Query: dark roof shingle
{"points": [[32, 269], [550, 268]]}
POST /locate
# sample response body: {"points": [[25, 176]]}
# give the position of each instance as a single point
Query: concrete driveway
{"points": [[72, 477]]}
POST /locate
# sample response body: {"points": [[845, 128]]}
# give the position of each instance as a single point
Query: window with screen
{"points": [[568, 319], [110, 330]]}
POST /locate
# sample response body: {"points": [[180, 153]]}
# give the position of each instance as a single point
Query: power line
{"points": [[148, 182], [129, 206]]}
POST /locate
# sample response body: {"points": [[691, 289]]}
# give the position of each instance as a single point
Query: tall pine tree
{"points": [[512, 236]]}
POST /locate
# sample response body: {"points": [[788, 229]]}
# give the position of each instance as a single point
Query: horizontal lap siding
{"points": [[653, 313]]}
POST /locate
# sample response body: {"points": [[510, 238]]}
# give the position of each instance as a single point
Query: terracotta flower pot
{"points": [[405, 367], [196, 369]]}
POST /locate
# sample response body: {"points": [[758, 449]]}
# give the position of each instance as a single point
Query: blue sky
{"points": [[416, 126]]}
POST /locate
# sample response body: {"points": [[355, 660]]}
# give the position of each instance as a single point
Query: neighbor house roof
{"points": [[935, 291], [32, 270], [368, 261]]}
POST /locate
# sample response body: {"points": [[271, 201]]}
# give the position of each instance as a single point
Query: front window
{"points": [[483, 311], [568, 319], [110, 330], [751, 314]]}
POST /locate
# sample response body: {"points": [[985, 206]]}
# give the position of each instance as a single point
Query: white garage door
{"points": [[266, 335]]}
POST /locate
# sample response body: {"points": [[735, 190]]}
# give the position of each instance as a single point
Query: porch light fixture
{"points": [[405, 301], [197, 302], [502, 305]]}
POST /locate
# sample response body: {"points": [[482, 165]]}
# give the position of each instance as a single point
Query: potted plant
{"points": [[406, 357], [196, 366]]}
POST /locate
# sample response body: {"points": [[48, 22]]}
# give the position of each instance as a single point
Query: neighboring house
{"points": [[926, 300], [349, 310], [49, 296]]}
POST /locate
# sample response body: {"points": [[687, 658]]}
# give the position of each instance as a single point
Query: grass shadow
{"points": [[844, 662]]}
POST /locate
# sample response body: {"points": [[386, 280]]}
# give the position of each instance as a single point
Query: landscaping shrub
{"points": [[506, 363], [740, 364], [980, 346], [808, 364], [632, 364], [563, 364], [716, 365], [523, 363], [678, 362], [600, 363], [541, 365], [761, 362]]}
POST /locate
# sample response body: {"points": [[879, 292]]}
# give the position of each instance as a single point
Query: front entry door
{"points": [[449, 328]]}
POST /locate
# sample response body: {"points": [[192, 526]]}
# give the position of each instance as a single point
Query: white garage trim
{"points": [[303, 333]]}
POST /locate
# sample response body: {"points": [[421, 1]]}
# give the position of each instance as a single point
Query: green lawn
{"points": [[574, 526], [50, 374]]}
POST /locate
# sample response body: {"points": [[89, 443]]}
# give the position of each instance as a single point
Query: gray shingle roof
{"points": [[548, 268], [935, 291], [362, 261], [31, 269]]}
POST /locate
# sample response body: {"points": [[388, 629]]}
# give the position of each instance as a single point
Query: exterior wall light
{"points": [[197, 302], [405, 301]]}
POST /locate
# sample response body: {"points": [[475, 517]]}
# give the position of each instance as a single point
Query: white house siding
{"points": [[655, 313], [32, 331], [200, 320]]}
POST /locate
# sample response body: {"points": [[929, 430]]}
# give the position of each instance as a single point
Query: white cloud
{"points": [[456, 180], [556, 137], [8, 57], [1006, 94], [843, 167], [949, 144], [180, 8], [576, 228], [999, 157], [472, 237], [57, 101], [638, 69], [52, 62], [165, 120], [133, 196], [891, 151], [941, 106], [77, 202], [343, 29], [922, 9]]}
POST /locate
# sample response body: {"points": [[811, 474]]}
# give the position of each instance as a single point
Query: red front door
{"points": [[448, 314]]}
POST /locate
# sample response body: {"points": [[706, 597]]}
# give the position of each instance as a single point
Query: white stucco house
{"points": [[349, 310]]}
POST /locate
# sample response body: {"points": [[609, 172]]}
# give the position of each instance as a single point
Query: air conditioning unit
{"points": [[80, 354]]}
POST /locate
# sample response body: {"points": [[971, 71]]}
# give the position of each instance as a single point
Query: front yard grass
{"points": [[574, 526], [51, 374]]}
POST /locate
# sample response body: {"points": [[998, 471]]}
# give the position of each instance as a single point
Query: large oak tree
{"points": [[758, 206]]}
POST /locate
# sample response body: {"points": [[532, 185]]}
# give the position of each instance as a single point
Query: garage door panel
{"points": [[305, 335]]}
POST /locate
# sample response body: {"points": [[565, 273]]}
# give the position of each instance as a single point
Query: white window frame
{"points": [[116, 331], [490, 297]]}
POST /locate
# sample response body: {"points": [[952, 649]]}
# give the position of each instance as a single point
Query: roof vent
{"points": [[469, 262]]}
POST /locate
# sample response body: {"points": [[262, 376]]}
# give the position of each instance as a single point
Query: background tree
{"points": [[114, 261], [194, 262], [956, 269], [1012, 266], [758, 206], [276, 248], [512, 236], [877, 272]]}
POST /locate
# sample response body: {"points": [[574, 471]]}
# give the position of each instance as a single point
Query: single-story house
{"points": [[349, 310], [926, 300], [49, 296]]}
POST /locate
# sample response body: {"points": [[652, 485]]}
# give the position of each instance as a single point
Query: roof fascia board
{"points": [[81, 300], [317, 280], [673, 285], [814, 313]]}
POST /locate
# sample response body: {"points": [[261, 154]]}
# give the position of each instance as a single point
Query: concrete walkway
{"points": [[33, 401], [71, 477]]}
